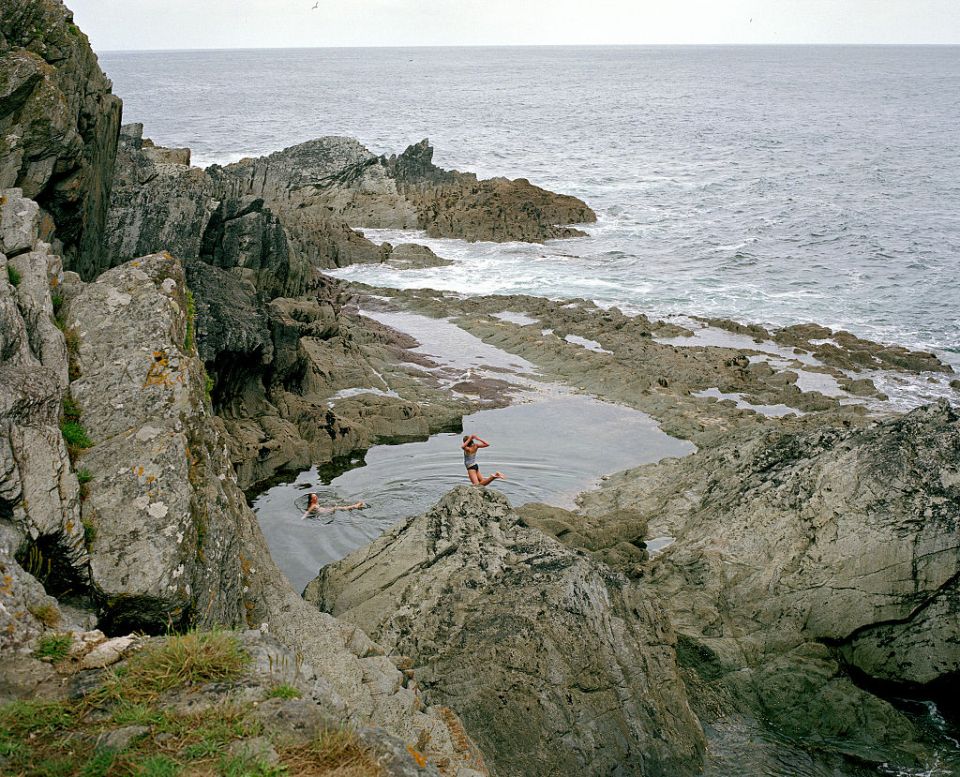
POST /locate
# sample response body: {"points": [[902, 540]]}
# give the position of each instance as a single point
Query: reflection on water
{"points": [[550, 451]]}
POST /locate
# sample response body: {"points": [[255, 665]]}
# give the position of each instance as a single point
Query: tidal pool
{"points": [[550, 450]]}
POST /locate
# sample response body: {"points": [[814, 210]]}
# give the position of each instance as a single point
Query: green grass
{"points": [[158, 766], [71, 410], [58, 739], [89, 530], [21, 719], [209, 383], [131, 714], [84, 476], [75, 435], [13, 275], [99, 765], [54, 647], [242, 767], [191, 315], [284, 691], [197, 657]]}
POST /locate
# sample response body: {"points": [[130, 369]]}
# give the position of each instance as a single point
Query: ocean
{"points": [[765, 184]]}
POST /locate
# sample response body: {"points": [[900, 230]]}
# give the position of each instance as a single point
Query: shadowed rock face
{"points": [[557, 664], [58, 126]]}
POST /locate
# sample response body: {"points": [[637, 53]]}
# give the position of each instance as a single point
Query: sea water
{"points": [[766, 184]]}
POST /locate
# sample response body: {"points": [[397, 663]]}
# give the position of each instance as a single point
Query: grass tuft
{"points": [[335, 751], [47, 614], [53, 647], [284, 691], [197, 657], [191, 315], [71, 410], [13, 275], [75, 435], [89, 529]]}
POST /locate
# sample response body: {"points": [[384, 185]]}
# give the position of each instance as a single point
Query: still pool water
{"points": [[550, 450]]}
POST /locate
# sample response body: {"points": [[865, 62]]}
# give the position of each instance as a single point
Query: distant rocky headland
{"points": [[784, 599]]}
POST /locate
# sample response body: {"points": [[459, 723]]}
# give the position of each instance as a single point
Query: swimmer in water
{"points": [[471, 444], [314, 508]]}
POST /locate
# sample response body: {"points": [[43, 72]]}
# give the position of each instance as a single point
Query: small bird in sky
{"points": [[317, 5]]}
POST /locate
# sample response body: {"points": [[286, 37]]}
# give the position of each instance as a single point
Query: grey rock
{"points": [[411, 256], [165, 543], [119, 739], [19, 222], [556, 664], [59, 124], [786, 541], [155, 206], [257, 750]]}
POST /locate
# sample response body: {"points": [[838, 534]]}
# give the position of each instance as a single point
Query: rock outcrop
{"points": [[557, 664], [58, 126], [238, 702], [311, 183], [41, 534], [800, 556]]}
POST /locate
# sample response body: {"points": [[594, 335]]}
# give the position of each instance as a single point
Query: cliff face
{"points": [[58, 126]]}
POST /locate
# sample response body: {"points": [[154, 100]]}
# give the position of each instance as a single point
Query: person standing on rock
{"points": [[471, 444]]}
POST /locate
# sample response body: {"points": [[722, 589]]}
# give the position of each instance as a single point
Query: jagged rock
{"points": [[106, 653], [307, 183], [165, 545], [232, 326], [558, 665], [786, 540], [58, 124], [40, 272], [39, 493], [19, 222], [155, 206], [411, 256]]}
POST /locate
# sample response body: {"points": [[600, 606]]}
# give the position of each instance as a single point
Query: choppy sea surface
{"points": [[767, 184]]}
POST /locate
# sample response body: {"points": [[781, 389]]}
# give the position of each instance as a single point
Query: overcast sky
{"points": [[172, 24]]}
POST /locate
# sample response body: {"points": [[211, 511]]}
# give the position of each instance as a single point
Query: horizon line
{"points": [[533, 45]]}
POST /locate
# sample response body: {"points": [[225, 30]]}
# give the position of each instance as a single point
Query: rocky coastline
{"points": [[170, 344]]}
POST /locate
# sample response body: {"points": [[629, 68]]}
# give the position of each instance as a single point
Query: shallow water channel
{"points": [[549, 449]]}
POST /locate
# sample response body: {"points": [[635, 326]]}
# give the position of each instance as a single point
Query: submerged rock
{"points": [[557, 664]]}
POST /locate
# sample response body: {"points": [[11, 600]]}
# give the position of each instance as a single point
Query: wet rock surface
{"points": [[558, 665]]}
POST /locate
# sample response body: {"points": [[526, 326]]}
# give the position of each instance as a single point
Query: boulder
{"points": [[557, 664]]}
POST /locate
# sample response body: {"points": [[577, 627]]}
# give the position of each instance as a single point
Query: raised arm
{"points": [[480, 443]]}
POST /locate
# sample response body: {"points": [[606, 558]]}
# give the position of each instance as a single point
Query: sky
{"points": [[204, 24]]}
